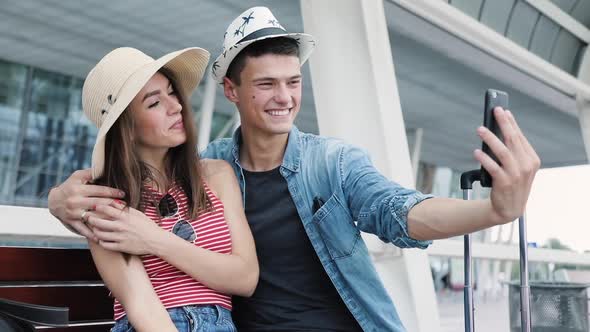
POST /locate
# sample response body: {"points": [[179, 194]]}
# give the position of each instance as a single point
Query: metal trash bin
{"points": [[555, 307]]}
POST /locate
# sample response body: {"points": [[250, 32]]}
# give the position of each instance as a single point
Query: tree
{"points": [[555, 243]]}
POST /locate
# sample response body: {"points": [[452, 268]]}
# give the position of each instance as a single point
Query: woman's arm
{"points": [[235, 274], [129, 283], [130, 231]]}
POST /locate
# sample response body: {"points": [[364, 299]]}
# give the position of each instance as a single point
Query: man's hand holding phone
{"points": [[517, 163]]}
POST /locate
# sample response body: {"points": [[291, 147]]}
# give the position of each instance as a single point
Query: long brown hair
{"points": [[124, 170]]}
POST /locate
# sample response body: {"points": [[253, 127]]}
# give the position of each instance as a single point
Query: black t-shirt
{"points": [[294, 293]]}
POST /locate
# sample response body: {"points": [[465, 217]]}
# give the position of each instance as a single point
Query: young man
{"points": [[307, 198]]}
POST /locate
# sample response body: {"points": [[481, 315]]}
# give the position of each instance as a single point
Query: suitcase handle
{"points": [[467, 180]]}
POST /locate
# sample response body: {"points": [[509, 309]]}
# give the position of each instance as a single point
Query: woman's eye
{"points": [[154, 104]]}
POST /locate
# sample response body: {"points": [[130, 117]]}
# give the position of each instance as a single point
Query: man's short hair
{"points": [[277, 46]]}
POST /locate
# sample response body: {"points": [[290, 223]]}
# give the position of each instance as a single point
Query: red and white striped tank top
{"points": [[174, 287]]}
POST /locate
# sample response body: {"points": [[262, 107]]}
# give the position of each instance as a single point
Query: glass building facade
{"points": [[44, 135]]}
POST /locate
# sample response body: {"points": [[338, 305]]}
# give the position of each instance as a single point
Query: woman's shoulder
{"points": [[212, 168], [217, 174]]}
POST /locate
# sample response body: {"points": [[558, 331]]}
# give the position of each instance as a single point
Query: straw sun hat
{"points": [[119, 76]]}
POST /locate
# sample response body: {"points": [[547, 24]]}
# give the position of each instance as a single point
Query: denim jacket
{"points": [[356, 198]]}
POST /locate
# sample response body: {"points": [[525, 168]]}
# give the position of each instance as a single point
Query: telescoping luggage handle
{"points": [[467, 180]]}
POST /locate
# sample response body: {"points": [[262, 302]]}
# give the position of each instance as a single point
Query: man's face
{"points": [[269, 95]]}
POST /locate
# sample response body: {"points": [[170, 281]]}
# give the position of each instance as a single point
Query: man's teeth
{"points": [[278, 113]]}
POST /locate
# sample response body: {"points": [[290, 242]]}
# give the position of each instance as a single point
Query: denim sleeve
{"points": [[208, 153], [216, 149], [379, 206]]}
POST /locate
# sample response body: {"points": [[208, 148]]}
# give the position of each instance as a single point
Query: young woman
{"points": [[178, 246]]}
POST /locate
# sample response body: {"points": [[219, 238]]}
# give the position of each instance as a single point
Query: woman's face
{"points": [[156, 112]]}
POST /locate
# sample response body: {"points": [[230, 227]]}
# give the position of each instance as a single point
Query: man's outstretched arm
{"points": [[445, 217], [410, 219]]}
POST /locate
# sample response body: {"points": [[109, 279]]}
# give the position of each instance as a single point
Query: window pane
{"points": [[58, 138], [79, 138], [219, 122], [12, 87]]}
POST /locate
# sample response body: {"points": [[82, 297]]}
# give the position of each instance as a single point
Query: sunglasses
{"points": [[167, 207]]}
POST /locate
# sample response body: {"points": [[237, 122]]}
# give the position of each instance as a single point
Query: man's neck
{"points": [[260, 153]]}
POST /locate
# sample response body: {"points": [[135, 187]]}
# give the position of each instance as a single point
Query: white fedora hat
{"points": [[119, 76], [255, 24]]}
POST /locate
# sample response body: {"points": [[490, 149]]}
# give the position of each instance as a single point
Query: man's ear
{"points": [[229, 89]]}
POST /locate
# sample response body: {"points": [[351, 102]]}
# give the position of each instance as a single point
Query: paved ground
{"points": [[491, 314]]}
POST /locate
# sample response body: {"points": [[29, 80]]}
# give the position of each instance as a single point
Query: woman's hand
{"points": [[124, 229]]}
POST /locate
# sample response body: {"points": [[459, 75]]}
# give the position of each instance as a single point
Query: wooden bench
{"points": [[52, 288]]}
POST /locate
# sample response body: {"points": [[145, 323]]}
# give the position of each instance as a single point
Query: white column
{"points": [[356, 99], [583, 101], [207, 108], [416, 151]]}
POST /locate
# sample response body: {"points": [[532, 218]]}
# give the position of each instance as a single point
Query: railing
{"points": [[506, 252]]}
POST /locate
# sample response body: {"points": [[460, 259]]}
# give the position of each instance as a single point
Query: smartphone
{"points": [[493, 99]]}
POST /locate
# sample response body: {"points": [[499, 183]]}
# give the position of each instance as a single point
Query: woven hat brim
{"points": [[221, 64]]}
